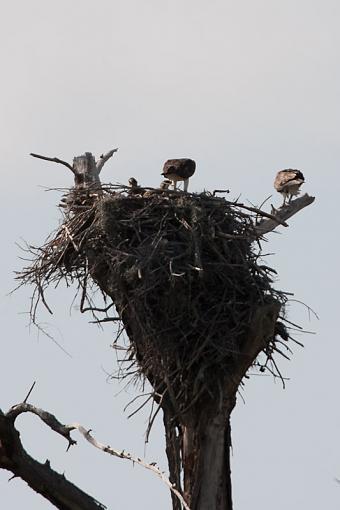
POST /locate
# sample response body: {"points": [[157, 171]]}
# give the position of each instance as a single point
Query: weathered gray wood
{"points": [[103, 159], [85, 168], [85, 171], [54, 160], [65, 430], [284, 213]]}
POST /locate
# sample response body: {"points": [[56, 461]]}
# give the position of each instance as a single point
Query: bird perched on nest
{"points": [[179, 170], [288, 183], [135, 189], [164, 185]]}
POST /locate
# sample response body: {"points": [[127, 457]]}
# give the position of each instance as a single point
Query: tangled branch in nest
{"points": [[183, 272]]}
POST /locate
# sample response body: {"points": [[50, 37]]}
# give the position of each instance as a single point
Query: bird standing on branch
{"points": [[288, 183], [179, 170]]}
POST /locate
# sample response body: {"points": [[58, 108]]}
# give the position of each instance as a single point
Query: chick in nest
{"points": [[164, 186], [134, 188]]}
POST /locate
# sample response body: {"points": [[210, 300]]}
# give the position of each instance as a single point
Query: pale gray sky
{"points": [[245, 88]]}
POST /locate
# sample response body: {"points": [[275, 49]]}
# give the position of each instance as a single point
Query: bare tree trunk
{"points": [[173, 449], [206, 463]]}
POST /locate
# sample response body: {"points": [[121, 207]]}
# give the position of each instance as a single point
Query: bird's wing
{"points": [[183, 167]]}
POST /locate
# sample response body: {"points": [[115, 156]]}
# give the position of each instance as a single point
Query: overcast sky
{"points": [[245, 88]]}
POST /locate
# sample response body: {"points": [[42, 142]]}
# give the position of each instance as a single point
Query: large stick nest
{"points": [[185, 274]]}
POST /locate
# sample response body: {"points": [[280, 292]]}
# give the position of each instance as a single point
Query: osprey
{"points": [[164, 185], [135, 189], [179, 170], [288, 182]]}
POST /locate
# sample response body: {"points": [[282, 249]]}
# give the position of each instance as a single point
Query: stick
{"points": [[262, 213], [29, 392]]}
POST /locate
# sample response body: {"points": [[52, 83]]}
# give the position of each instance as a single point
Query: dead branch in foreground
{"points": [[40, 477]]}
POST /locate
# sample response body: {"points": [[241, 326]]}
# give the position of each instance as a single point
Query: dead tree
{"points": [[185, 275]]}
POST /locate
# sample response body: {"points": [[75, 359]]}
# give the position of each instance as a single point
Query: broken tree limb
{"points": [[283, 214], [54, 160], [49, 419], [136, 460], [40, 477], [103, 159], [51, 477]]}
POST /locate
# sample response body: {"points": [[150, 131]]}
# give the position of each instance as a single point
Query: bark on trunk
{"points": [[206, 463], [85, 170], [173, 453]]}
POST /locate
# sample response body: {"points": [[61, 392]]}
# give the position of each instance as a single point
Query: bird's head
{"points": [[165, 184], [132, 182]]}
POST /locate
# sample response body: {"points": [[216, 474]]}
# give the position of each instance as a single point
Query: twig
{"points": [[262, 213], [106, 319], [95, 309], [136, 398], [29, 392], [44, 332], [220, 191], [141, 406], [309, 309], [69, 235]]}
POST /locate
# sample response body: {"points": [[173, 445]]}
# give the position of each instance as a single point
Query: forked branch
{"points": [[46, 481], [40, 477]]}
